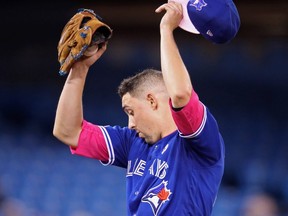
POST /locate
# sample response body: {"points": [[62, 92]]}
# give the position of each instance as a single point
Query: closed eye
{"points": [[129, 112]]}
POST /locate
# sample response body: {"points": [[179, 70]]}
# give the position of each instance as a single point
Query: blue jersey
{"points": [[178, 175]]}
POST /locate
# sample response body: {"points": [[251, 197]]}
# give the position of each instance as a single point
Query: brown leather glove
{"points": [[82, 35]]}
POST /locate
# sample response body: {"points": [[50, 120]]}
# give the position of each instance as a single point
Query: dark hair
{"points": [[137, 83]]}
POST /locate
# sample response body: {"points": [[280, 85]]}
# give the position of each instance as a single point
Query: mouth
{"points": [[139, 134]]}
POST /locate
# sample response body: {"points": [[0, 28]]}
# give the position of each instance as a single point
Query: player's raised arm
{"points": [[69, 114], [175, 74], [83, 40]]}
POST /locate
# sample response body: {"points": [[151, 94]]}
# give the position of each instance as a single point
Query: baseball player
{"points": [[172, 149]]}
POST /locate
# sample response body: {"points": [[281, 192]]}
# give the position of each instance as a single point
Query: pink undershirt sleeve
{"points": [[91, 143], [190, 117]]}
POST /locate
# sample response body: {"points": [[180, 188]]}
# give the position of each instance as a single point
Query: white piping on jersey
{"points": [[199, 130], [109, 146]]}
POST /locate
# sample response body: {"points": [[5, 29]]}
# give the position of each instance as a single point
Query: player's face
{"points": [[140, 117]]}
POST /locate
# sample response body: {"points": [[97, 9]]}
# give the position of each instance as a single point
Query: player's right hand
{"points": [[88, 61]]}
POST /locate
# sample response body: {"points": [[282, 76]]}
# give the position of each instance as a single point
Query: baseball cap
{"points": [[216, 20]]}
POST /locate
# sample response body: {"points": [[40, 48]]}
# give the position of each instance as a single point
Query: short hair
{"points": [[140, 82]]}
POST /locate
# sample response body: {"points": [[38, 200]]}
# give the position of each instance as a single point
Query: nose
{"points": [[131, 122]]}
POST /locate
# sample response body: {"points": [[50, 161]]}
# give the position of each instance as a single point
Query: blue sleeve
{"points": [[119, 143], [207, 143]]}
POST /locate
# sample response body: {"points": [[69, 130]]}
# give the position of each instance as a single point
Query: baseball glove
{"points": [[82, 35]]}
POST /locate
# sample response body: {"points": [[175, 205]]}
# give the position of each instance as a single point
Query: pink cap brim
{"points": [[186, 23]]}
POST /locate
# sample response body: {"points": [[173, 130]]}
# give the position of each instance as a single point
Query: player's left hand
{"points": [[173, 15]]}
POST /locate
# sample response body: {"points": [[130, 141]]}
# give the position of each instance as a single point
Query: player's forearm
{"points": [[175, 74], [69, 114]]}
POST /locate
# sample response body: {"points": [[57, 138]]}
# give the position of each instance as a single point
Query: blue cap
{"points": [[216, 20]]}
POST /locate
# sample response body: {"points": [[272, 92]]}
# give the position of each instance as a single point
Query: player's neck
{"points": [[168, 127]]}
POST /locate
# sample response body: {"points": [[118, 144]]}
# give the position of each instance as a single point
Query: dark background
{"points": [[244, 84]]}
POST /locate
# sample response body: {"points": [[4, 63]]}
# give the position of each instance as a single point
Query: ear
{"points": [[152, 101]]}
